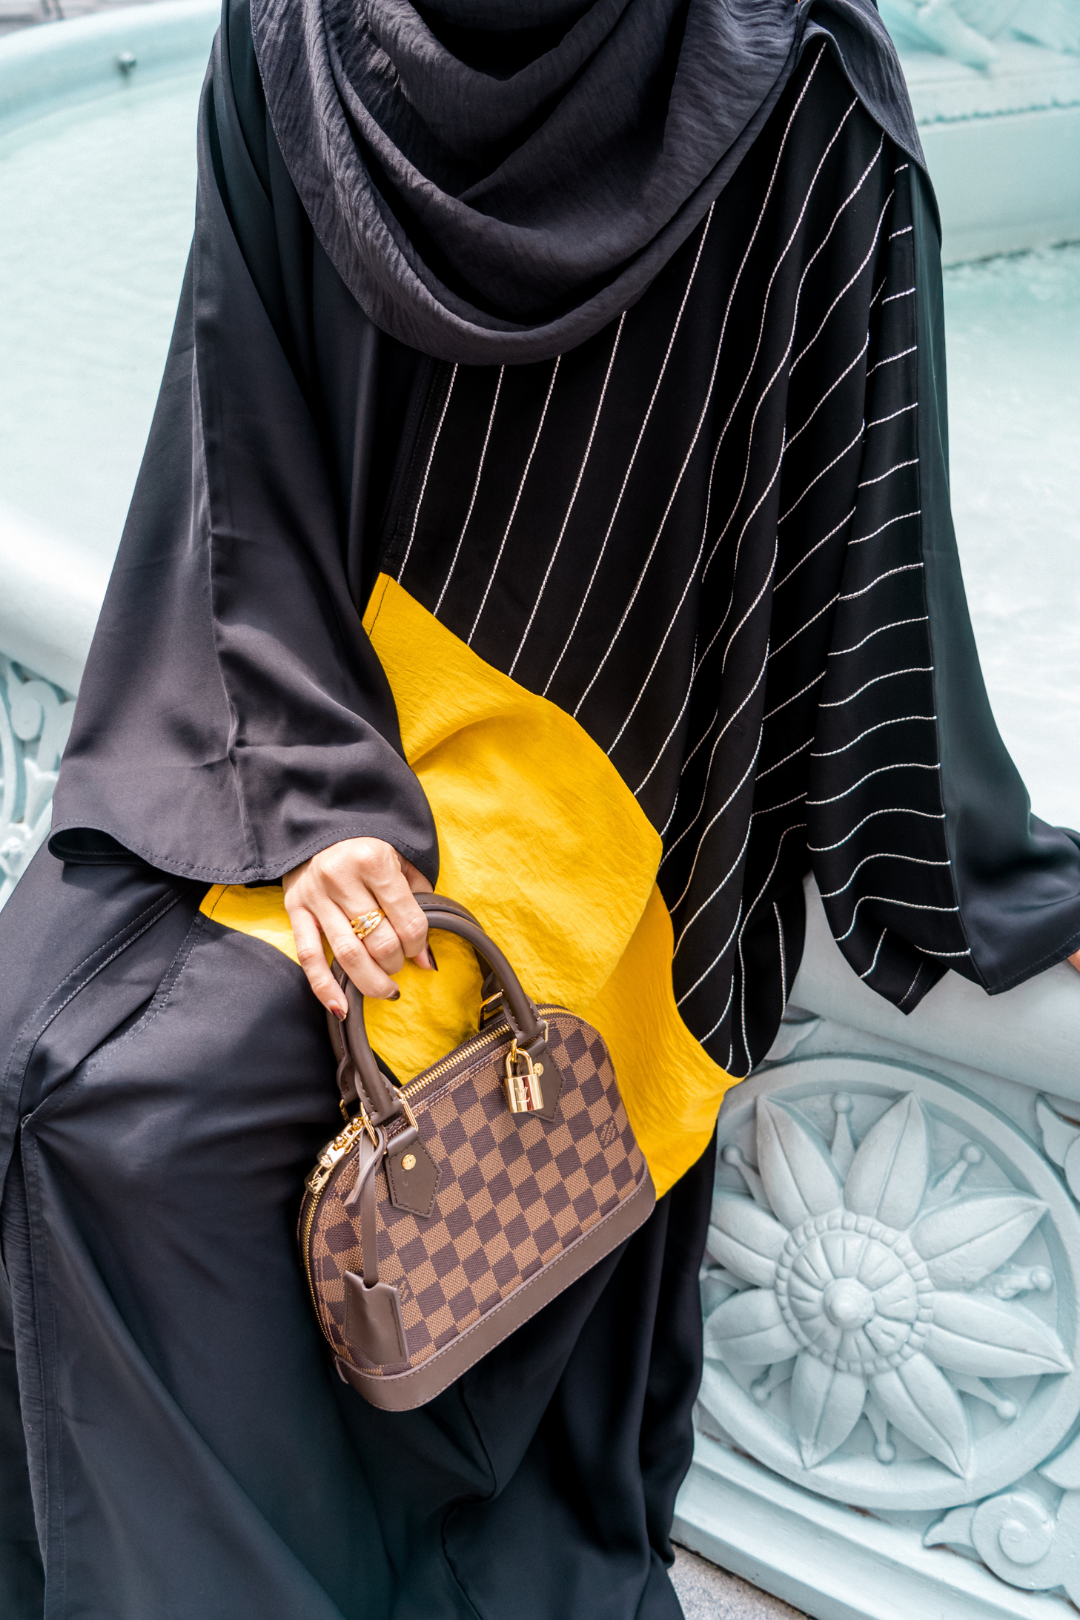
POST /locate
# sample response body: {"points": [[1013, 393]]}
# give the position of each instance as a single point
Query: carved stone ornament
{"points": [[890, 1289], [35, 718]]}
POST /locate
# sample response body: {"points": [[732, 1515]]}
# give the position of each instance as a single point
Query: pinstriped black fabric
{"points": [[699, 534]]}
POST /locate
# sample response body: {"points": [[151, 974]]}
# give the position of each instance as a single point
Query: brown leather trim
{"points": [[402, 1392]]}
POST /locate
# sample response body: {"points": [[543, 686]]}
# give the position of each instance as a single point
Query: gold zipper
{"points": [[477, 1044], [344, 1142]]}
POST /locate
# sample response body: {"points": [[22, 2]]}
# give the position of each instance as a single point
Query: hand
{"points": [[342, 882], [1075, 960]]}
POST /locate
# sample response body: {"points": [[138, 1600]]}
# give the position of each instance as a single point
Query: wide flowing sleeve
{"points": [[919, 826], [233, 718]]}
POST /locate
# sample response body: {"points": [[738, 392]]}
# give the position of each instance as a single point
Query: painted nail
{"points": [[394, 995], [340, 1012]]}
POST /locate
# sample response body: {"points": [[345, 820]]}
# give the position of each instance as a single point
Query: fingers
{"points": [[369, 978], [365, 870], [419, 884], [344, 881], [309, 950], [403, 916]]}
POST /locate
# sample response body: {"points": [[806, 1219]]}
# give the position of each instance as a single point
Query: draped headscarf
{"points": [[495, 180]]}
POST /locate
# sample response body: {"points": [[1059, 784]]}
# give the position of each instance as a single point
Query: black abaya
{"points": [[166, 1074], [192, 1454]]}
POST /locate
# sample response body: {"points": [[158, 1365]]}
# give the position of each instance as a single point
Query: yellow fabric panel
{"points": [[436, 1011], [671, 1089], [252, 911], [541, 838]]}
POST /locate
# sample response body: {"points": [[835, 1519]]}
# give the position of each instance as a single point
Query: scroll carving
{"points": [[35, 718]]}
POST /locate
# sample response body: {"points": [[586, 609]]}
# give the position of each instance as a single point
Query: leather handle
{"points": [[359, 1075]]}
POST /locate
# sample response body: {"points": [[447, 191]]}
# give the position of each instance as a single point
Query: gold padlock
{"points": [[524, 1093]]}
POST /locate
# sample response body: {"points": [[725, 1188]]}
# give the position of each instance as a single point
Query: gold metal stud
{"points": [[409, 1162]]}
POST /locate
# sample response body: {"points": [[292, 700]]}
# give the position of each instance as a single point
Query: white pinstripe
{"points": [[720, 1020], [805, 350], [795, 695], [682, 599], [893, 810], [838, 703], [891, 359], [517, 498], [846, 451], [882, 476], [736, 790], [761, 775], [427, 470], [791, 340], [772, 808], [816, 547], [783, 961], [881, 855], [881, 420], [805, 625], [907, 292], [708, 770], [732, 869], [899, 518], [634, 452], [901, 720], [926, 951], [725, 947], [716, 452], [901, 568], [712, 384], [574, 494], [476, 488], [898, 765], [742, 996], [890, 900], [840, 652], [671, 733], [832, 389], [873, 964], [794, 827]]}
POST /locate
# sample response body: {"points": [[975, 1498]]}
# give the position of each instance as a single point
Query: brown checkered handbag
{"points": [[450, 1210]]}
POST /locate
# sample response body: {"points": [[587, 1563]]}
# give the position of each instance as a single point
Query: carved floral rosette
{"points": [[890, 1287]]}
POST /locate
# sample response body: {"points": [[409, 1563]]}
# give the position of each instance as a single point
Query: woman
{"points": [[547, 496]]}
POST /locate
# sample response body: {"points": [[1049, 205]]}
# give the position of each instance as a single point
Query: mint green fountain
{"points": [[932, 1468]]}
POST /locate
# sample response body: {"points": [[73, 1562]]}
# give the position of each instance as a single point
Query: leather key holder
{"points": [[448, 1211]]}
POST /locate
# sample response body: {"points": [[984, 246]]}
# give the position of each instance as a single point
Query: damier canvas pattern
{"points": [[514, 1192]]}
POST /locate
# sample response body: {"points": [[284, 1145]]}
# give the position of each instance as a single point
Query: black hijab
{"points": [[495, 180]]}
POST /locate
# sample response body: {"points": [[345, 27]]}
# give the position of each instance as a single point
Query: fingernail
{"points": [[393, 995], [426, 959], [340, 1012]]}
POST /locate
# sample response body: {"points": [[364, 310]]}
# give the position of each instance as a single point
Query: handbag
{"points": [[450, 1210]]}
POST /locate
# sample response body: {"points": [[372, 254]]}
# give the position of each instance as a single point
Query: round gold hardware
{"points": [[409, 1162]]}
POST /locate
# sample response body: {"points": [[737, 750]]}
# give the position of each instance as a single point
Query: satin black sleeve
{"points": [[233, 718], [919, 826]]}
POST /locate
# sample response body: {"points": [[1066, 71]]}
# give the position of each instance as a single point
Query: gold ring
{"points": [[366, 923]]}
